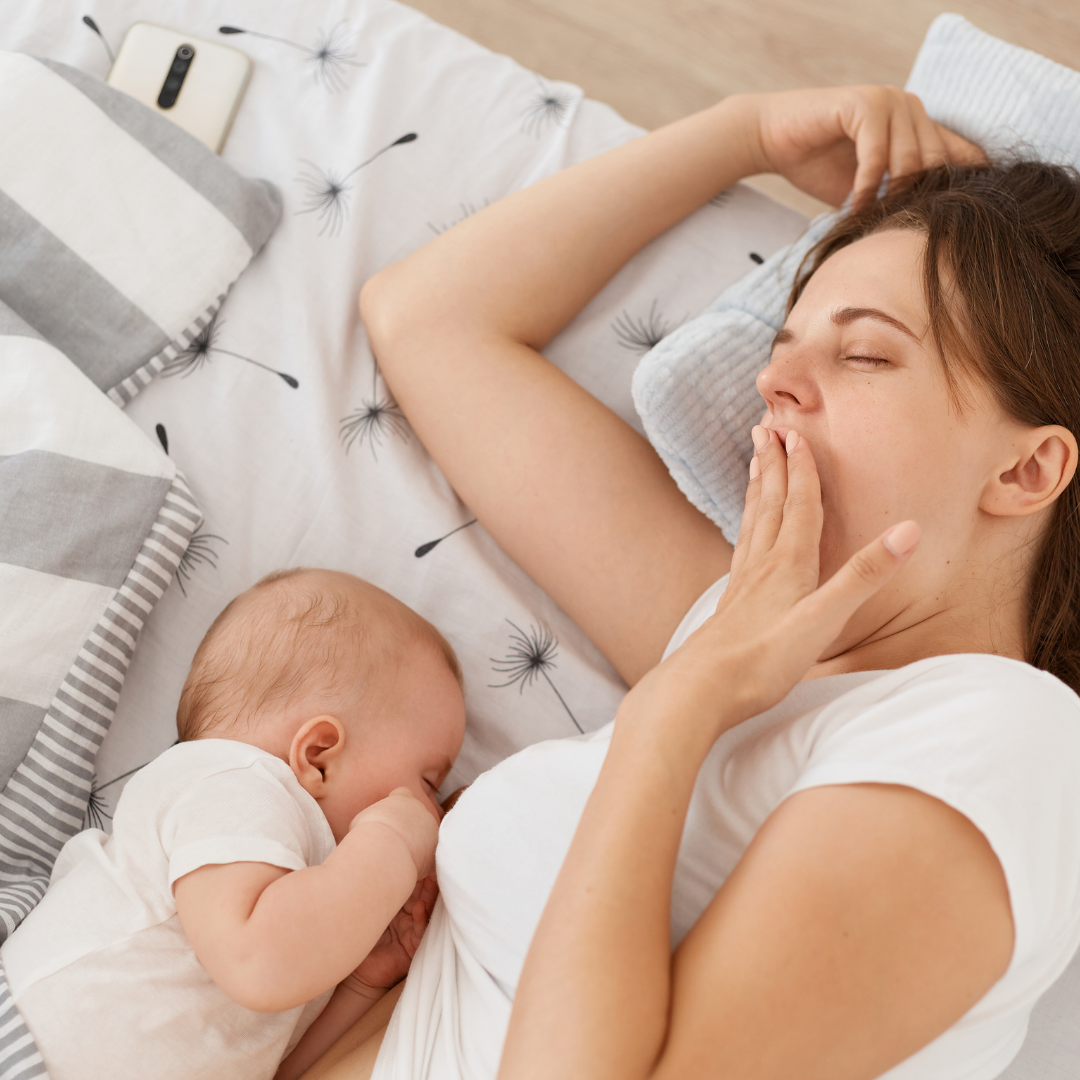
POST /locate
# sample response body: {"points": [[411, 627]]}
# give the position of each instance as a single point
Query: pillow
{"points": [[93, 522], [695, 391], [137, 226]]}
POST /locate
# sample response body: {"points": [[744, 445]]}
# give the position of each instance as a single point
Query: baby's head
{"points": [[356, 691]]}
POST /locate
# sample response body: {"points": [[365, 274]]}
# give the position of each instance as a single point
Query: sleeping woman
{"points": [[834, 829]]}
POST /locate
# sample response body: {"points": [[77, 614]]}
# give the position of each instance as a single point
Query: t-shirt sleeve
{"points": [[241, 815], [999, 742]]}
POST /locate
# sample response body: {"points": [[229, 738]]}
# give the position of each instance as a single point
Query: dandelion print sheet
{"points": [[381, 129]]}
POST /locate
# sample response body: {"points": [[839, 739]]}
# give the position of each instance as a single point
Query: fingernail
{"points": [[900, 539], [792, 440], [755, 468], [760, 437]]}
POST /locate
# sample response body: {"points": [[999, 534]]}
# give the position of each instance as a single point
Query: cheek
{"points": [[877, 468]]}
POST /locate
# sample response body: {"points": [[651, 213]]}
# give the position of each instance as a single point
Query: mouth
{"points": [[782, 432]]}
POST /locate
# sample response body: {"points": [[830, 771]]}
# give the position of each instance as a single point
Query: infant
{"points": [[282, 848]]}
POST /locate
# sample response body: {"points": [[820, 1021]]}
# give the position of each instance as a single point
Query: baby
{"points": [[281, 849]]}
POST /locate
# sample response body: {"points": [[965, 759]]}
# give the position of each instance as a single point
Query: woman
{"points": [[879, 868]]}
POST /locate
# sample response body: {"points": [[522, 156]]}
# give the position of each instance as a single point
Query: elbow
{"points": [[384, 307], [252, 986]]}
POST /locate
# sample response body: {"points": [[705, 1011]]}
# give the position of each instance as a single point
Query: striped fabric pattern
{"points": [[94, 520], [136, 224], [695, 391]]}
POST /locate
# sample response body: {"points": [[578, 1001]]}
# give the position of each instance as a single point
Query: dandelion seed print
{"points": [[325, 192], [163, 436], [465, 210], [423, 549], [330, 57], [530, 656], [200, 552], [97, 30], [546, 107], [376, 420], [197, 353], [642, 333], [755, 257], [96, 814]]}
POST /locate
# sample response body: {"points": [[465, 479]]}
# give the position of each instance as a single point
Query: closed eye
{"points": [[876, 361]]}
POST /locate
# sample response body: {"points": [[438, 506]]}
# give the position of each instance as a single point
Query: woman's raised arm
{"points": [[572, 493]]}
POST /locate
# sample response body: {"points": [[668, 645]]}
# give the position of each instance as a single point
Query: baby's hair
{"points": [[292, 632]]}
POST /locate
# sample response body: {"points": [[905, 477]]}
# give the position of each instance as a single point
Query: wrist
{"points": [[742, 113], [373, 827], [363, 989]]}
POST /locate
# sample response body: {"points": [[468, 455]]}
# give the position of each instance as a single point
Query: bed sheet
{"points": [[381, 128]]}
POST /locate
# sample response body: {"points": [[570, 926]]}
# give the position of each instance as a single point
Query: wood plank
{"points": [[657, 60]]}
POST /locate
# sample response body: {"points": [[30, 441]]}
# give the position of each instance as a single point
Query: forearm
{"points": [[524, 267], [593, 998], [346, 1006], [311, 928]]}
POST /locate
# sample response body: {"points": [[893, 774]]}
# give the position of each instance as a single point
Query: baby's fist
{"points": [[413, 822]]}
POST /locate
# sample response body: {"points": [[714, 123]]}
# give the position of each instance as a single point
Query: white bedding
{"points": [[281, 477]]}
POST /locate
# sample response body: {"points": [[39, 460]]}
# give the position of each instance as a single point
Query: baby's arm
{"points": [[273, 939], [385, 966]]}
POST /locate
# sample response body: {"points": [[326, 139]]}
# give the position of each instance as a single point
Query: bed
{"points": [[380, 129]]}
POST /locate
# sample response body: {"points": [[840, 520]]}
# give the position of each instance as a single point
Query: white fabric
{"points": [[994, 738], [128, 216], [35, 657], [62, 411], [101, 970], [267, 463]]}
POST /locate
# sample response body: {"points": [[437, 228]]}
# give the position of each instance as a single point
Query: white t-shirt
{"points": [[101, 969], [994, 738]]}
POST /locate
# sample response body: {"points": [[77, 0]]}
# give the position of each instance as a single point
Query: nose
{"points": [[786, 381]]}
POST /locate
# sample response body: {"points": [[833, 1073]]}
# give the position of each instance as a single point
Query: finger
{"points": [[746, 526], [801, 530], [931, 144], [824, 613], [959, 150], [904, 154], [429, 893], [871, 136], [770, 510]]}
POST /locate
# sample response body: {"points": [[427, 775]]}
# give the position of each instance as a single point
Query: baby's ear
{"points": [[317, 742]]}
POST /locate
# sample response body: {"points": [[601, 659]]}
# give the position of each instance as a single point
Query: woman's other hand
{"points": [[773, 621], [388, 962], [831, 142]]}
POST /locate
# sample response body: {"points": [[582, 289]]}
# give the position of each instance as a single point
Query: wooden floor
{"points": [[657, 60]]}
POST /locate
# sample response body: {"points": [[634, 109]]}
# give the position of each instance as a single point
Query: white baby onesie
{"points": [[101, 969]]}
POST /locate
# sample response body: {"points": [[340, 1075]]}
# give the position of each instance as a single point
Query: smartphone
{"points": [[195, 83]]}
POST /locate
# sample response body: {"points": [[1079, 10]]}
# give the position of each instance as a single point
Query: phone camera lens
{"points": [[174, 78]]}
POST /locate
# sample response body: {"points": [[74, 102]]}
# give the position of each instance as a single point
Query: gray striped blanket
{"points": [[120, 236]]}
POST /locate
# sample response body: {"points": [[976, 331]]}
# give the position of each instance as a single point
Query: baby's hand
{"points": [[388, 963], [403, 812]]}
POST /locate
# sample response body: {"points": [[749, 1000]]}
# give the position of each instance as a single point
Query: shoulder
{"points": [[971, 693], [993, 738], [187, 763]]}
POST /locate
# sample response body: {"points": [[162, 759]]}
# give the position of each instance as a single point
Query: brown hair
{"points": [[271, 645], [1007, 238]]}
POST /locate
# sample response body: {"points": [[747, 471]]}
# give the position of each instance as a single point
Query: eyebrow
{"points": [[846, 316]]}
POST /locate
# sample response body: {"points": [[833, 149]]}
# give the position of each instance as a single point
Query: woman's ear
{"points": [[1042, 464], [314, 746]]}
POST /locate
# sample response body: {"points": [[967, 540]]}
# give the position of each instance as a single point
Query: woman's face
{"points": [[855, 372]]}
